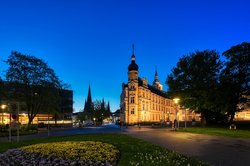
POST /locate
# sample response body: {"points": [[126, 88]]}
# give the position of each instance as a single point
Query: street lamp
{"points": [[176, 100], [186, 118], [3, 106]]}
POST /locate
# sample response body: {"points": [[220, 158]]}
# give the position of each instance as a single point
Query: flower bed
{"points": [[62, 153]]}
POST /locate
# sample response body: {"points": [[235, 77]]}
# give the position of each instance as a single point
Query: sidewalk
{"points": [[219, 151]]}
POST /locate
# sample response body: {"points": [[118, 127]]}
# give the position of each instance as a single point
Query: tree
{"points": [[34, 83], [101, 110], [195, 80], [81, 117], [108, 111], [235, 79]]}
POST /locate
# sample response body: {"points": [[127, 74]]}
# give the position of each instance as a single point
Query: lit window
{"points": [[132, 100]]}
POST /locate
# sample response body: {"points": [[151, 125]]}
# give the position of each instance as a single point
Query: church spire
{"points": [[88, 104], [89, 98]]}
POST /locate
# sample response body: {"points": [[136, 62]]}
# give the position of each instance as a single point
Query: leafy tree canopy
{"points": [[195, 79], [33, 82], [235, 79]]}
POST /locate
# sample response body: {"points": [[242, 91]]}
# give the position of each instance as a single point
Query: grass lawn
{"points": [[14, 133], [219, 131], [132, 151]]}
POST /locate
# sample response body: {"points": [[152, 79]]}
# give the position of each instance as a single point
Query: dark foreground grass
{"points": [[133, 151], [218, 131], [14, 133]]}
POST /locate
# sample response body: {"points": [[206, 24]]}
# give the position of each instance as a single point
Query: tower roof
{"points": [[133, 65], [88, 104], [156, 80], [89, 98], [156, 73]]}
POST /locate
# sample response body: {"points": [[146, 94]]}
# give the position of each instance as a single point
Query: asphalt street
{"points": [[66, 131], [216, 150]]}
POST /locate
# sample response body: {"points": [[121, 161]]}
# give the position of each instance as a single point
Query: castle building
{"points": [[142, 102]]}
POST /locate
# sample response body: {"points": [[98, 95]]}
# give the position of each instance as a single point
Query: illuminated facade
{"points": [[244, 115], [141, 102], [16, 111]]}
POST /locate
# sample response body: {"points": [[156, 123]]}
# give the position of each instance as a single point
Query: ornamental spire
{"points": [[133, 49], [156, 73], [133, 53]]}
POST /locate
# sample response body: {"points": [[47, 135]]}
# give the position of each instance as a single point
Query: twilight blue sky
{"points": [[90, 40]]}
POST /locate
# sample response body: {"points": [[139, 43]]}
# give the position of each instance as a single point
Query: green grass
{"points": [[133, 151], [218, 131], [14, 133]]}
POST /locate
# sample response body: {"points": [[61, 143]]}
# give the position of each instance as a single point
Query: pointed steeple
{"points": [[88, 104], [156, 82], [89, 98], [133, 65], [84, 105], [156, 74]]}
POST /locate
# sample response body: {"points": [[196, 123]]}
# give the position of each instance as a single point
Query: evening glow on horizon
{"points": [[90, 42]]}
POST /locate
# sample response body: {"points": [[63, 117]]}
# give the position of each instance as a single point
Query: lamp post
{"points": [[185, 118], [176, 100], [3, 106], [102, 118]]}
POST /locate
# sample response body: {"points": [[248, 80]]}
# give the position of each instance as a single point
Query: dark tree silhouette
{"points": [[33, 82], [235, 79], [195, 81]]}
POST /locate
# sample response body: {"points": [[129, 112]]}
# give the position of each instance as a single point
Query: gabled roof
{"points": [[152, 89]]}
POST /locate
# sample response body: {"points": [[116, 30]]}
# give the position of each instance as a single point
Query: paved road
{"points": [[63, 132], [219, 151]]}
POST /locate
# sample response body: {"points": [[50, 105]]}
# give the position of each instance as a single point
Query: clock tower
{"points": [[132, 113]]}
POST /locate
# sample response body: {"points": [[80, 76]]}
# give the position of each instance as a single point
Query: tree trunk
{"points": [[232, 118], [55, 119], [30, 121], [203, 119]]}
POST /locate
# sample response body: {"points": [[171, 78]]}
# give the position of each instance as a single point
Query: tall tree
{"points": [[235, 79], [34, 83], [195, 80], [108, 111], [98, 110]]}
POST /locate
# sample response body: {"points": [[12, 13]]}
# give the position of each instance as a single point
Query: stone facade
{"points": [[142, 102]]}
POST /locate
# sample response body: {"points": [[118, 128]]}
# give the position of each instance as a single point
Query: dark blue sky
{"points": [[90, 40]]}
